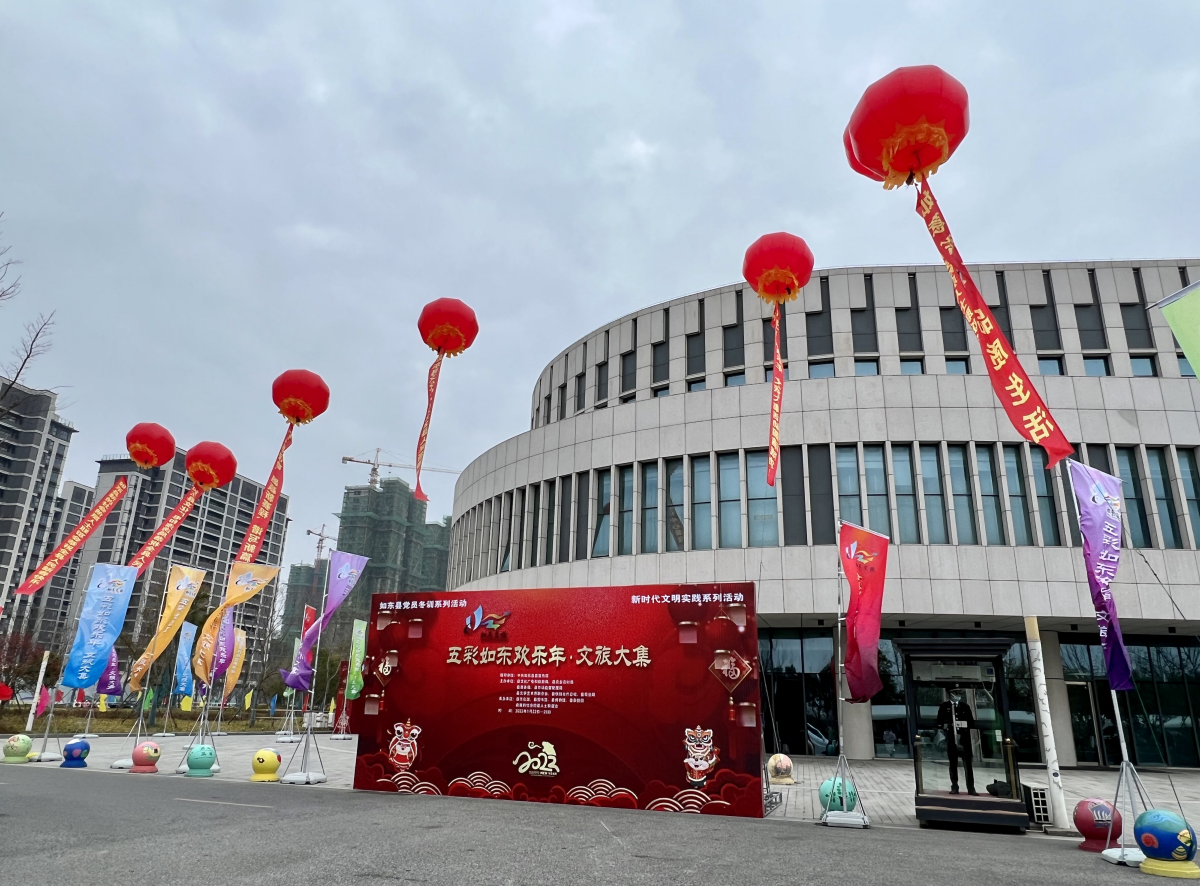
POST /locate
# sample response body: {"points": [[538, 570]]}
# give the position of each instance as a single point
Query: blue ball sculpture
{"points": [[1164, 835], [835, 804], [75, 754]]}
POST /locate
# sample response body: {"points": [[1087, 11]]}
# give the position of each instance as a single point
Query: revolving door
{"points": [[958, 721]]}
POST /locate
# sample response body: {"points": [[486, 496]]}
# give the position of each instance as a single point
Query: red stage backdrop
{"points": [[639, 697]]}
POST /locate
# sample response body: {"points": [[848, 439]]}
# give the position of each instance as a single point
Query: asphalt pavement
{"points": [[66, 827]]}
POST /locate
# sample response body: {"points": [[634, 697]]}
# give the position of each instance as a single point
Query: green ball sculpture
{"points": [[200, 760], [828, 788], [17, 748]]}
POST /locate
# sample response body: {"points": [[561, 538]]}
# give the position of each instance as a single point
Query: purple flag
{"points": [[226, 640], [344, 572], [1098, 501], [110, 680]]}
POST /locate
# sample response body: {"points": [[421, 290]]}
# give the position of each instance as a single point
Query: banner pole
{"points": [[305, 776]]}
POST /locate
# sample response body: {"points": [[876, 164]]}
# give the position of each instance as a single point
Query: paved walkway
{"points": [[887, 788]]}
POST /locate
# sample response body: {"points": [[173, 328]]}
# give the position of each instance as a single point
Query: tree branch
{"points": [[34, 344]]}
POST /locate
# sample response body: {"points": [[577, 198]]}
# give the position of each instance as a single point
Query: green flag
{"points": [[148, 700], [358, 652], [1182, 311]]}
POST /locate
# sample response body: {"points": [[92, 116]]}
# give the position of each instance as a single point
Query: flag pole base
{"points": [[843, 784], [85, 735], [220, 732], [289, 739], [1127, 856], [47, 757], [341, 737], [305, 778], [123, 763], [163, 735]]}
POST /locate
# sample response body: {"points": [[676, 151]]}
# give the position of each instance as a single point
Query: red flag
{"points": [[310, 618], [5, 692], [864, 560], [1016, 393], [166, 529], [43, 701], [58, 696]]}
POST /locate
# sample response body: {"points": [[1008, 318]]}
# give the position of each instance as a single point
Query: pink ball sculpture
{"points": [[1092, 818], [145, 757]]}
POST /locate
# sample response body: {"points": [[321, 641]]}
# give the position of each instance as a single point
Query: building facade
{"points": [[387, 524], [34, 441], [208, 539], [305, 587], [645, 463]]}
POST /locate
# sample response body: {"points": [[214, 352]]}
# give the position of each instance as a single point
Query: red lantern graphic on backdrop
{"points": [[150, 445], [904, 128], [777, 267], [449, 327]]}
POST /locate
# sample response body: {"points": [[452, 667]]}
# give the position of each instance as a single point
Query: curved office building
{"points": [[645, 462]]}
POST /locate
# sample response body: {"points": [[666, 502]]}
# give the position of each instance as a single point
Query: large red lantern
{"points": [[903, 129], [777, 266], [908, 123], [300, 395], [449, 327], [150, 445], [210, 465]]}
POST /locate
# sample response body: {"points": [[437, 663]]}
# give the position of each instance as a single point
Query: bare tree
{"points": [[34, 343], [8, 289]]}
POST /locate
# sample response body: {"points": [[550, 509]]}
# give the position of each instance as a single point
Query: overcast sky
{"points": [[211, 194]]}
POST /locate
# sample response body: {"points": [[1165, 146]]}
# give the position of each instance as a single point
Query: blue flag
{"points": [[100, 622], [274, 698], [183, 659]]}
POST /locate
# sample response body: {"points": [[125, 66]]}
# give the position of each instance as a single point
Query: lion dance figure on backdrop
{"points": [[402, 750], [702, 757]]}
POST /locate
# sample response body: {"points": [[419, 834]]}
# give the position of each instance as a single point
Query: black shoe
{"points": [[973, 792], [954, 789]]}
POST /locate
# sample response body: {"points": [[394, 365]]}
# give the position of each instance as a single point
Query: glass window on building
{"points": [[673, 493], [601, 381], [729, 500], [1191, 488], [791, 471], [582, 485], [701, 502], [849, 495], [1043, 488], [989, 492], [822, 369], [548, 550], [799, 704], [820, 487], [879, 512], [889, 711], [1131, 491], [1160, 482], [960, 490], [603, 513], [625, 509], [904, 480], [763, 516], [650, 507], [1018, 498], [935, 495]]}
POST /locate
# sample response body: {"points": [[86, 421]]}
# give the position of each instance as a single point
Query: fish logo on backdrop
{"points": [[490, 626], [543, 761], [348, 572], [862, 558], [248, 581], [186, 584]]}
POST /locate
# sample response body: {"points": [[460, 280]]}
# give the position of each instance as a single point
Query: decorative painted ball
{"points": [[75, 754], [1092, 819], [17, 748], [829, 789], [779, 766], [1164, 835], [200, 760], [265, 764], [146, 754]]}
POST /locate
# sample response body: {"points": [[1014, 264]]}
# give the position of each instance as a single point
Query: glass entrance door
{"points": [[961, 738]]}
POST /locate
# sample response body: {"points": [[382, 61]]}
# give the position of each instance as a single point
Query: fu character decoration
{"points": [[777, 266], [449, 327], [904, 128]]}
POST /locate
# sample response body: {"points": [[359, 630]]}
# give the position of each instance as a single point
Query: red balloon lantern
{"points": [[777, 266], [300, 395], [150, 445], [449, 327], [854, 162], [210, 465], [907, 124]]}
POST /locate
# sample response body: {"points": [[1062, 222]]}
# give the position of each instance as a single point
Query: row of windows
{"points": [[1089, 320], [915, 493]]}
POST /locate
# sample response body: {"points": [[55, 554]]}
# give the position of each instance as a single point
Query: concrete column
{"points": [[1037, 670], [1060, 707]]}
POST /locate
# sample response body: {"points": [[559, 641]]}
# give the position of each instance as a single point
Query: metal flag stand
{"points": [[135, 733], [341, 728], [201, 730], [87, 724], [305, 775], [1130, 785], [45, 756], [287, 735], [843, 776]]}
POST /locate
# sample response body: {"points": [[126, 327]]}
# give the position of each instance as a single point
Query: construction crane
{"points": [[376, 464], [321, 538]]}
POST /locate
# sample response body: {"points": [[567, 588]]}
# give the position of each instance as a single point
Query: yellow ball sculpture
{"points": [[266, 764]]}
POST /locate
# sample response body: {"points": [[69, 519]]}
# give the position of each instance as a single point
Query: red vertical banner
{"points": [[864, 560], [310, 618], [1021, 401], [62, 554], [776, 402], [340, 706], [431, 387], [257, 533], [166, 529]]}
